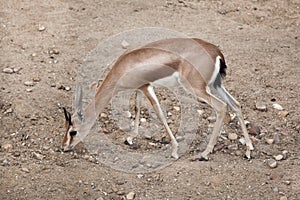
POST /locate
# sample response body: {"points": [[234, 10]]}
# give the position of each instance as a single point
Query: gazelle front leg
{"points": [[150, 94], [137, 110]]}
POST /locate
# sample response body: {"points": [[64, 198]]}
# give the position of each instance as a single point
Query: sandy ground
{"points": [[44, 42]]}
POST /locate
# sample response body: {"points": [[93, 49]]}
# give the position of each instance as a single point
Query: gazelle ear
{"points": [[78, 103], [67, 116]]}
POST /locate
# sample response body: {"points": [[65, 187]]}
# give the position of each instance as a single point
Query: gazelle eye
{"points": [[73, 133]]}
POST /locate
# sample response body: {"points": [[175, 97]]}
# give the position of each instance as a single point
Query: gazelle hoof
{"points": [[201, 158]]}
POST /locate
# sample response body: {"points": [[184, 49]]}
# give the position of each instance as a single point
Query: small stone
{"points": [[276, 138], [26, 170], [127, 114], [270, 141], [143, 120], [261, 106], [276, 189], [125, 44], [232, 136], [36, 79], [227, 118], [41, 28], [169, 114], [254, 130], [272, 163], [10, 110], [67, 88], [8, 70], [38, 156], [177, 108], [5, 162], [233, 147], [200, 112], [55, 51], [103, 115], [287, 182], [211, 119], [277, 106], [285, 154], [283, 198], [7, 147], [278, 157], [275, 176], [283, 113], [242, 141], [29, 83], [130, 195]]}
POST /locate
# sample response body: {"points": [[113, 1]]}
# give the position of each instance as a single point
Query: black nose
{"points": [[73, 133]]}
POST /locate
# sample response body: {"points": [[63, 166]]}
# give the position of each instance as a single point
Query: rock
{"points": [[211, 119], [41, 27], [7, 147], [242, 141], [200, 112], [10, 110], [8, 70], [233, 147], [275, 189], [177, 108], [26, 170], [270, 141], [127, 114], [67, 88], [283, 113], [285, 154], [261, 106], [275, 176], [232, 136], [103, 115], [276, 138], [125, 44], [130, 195], [169, 114], [272, 163], [277, 106], [254, 130], [5, 162], [143, 120], [29, 83], [36, 79], [283, 198], [278, 157], [38, 156]]}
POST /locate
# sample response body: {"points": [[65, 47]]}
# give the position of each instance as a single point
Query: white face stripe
{"points": [[216, 70]]}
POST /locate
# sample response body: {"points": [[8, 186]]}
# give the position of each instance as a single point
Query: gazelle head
{"points": [[71, 137]]}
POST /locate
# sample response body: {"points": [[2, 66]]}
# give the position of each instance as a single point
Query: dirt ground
{"points": [[43, 43]]}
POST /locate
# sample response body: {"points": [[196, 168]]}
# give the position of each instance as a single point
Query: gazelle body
{"points": [[195, 64]]}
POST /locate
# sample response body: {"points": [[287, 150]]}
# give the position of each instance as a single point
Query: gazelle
{"points": [[195, 64]]}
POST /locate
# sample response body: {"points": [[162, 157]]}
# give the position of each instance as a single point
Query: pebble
{"points": [[254, 130], [272, 163], [283, 198], [26, 170], [41, 28], [233, 147], [277, 106], [143, 120], [177, 108], [127, 114], [242, 141], [8, 70], [283, 113], [10, 110], [130, 195], [38, 156], [270, 141], [103, 115], [278, 157], [276, 189], [261, 106], [125, 44], [285, 154], [232, 136], [5, 162], [7, 147], [29, 83], [275, 176], [276, 138], [36, 79]]}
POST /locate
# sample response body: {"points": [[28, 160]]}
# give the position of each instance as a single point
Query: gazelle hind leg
{"points": [[150, 94], [236, 107], [137, 110], [220, 109]]}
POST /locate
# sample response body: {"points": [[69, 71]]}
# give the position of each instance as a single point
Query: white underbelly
{"points": [[169, 81]]}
